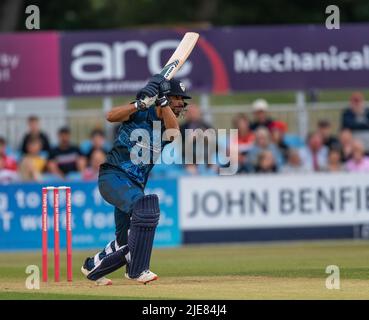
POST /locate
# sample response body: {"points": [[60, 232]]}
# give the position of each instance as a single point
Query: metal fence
{"points": [[81, 122], [222, 115]]}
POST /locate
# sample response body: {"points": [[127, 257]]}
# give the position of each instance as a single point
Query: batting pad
{"points": [[110, 263], [145, 218]]}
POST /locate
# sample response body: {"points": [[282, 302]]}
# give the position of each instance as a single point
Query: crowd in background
{"points": [[40, 161], [264, 146]]}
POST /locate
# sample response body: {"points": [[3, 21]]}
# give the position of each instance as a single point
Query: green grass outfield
{"points": [[248, 271]]}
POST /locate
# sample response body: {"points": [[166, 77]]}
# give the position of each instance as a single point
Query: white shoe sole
{"points": [[103, 282], [143, 280], [99, 282]]}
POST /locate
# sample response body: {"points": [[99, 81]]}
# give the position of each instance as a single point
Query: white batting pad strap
{"points": [[108, 249], [128, 257], [96, 259], [117, 246]]}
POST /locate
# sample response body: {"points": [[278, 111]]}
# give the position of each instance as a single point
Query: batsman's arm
{"points": [[121, 113], [170, 122]]}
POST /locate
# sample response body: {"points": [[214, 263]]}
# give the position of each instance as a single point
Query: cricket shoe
{"points": [[103, 281], [145, 277]]}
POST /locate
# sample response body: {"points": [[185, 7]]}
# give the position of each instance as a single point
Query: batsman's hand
{"points": [[164, 89], [148, 94]]}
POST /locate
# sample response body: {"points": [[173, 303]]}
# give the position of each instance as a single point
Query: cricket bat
{"points": [[176, 61], [180, 56]]}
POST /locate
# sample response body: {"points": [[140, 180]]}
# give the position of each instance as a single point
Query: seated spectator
{"points": [[65, 158], [245, 136], [97, 158], [200, 170], [98, 142], [263, 143], [359, 162], [244, 164], [6, 175], [356, 116], [32, 164], [35, 132], [8, 162], [334, 161], [294, 163], [191, 169], [315, 155], [346, 144], [278, 130], [325, 130], [266, 163], [261, 118], [193, 121]]}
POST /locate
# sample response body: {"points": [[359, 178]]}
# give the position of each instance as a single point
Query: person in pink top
{"points": [[359, 161], [98, 157], [245, 137]]}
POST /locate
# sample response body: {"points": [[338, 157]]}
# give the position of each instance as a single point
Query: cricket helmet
{"points": [[177, 88]]}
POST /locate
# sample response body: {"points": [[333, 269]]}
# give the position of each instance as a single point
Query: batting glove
{"points": [[152, 87], [164, 90]]}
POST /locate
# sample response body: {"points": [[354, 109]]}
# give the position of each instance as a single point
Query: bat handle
{"points": [[146, 102]]}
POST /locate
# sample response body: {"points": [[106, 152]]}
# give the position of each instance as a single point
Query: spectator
{"points": [[263, 143], [261, 118], [359, 162], [65, 158], [245, 136], [335, 161], [191, 169], [346, 144], [356, 116], [278, 130], [97, 158], [32, 164], [325, 130], [6, 175], [35, 132], [294, 163], [266, 163], [8, 162], [200, 170], [193, 121], [315, 155], [98, 142], [244, 164]]}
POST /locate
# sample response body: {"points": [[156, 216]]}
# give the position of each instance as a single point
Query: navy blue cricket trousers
{"points": [[121, 192]]}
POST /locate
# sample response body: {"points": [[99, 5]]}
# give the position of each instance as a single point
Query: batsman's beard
{"points": [[178, 109]]}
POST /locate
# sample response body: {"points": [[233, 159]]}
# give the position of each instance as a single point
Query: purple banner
{"points": [[224, 59], [29, 65], [119, 62]]}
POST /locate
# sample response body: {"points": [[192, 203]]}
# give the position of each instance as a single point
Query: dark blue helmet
{"points": [[177, 88]]}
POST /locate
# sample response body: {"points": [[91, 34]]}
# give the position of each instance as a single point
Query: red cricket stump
{"points": [[68, 222], [68, 227], [44, 235], [56, 237]]}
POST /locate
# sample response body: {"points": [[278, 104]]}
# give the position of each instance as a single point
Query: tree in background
{"points": [[110, 14]]}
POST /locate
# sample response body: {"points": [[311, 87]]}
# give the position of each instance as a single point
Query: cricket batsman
{"points": [[122, 179]]}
